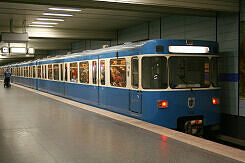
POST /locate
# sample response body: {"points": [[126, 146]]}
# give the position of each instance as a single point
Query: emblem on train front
{"points": [[191, 102]]}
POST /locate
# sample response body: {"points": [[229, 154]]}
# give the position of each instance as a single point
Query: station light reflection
{"points": [[48, 19], [53, 14], [65, 9]]}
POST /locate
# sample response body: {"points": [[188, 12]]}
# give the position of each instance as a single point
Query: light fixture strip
{"points": [[64, 9], [47, 19], [31, 50], [17, 50], [35, 25], [53, 14]]}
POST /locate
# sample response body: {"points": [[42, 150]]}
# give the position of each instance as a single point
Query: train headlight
{"points": [[215, 101], [162, 104]]}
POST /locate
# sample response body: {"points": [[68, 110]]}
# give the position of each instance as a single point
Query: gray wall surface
{"points": [[242, 35], [88, 45], [228, 39]]}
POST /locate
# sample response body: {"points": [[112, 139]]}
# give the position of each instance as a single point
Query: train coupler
{"points": [[194, 127]]}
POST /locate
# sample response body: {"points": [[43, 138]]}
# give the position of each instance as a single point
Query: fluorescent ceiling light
{"points": [[33, 25], [18, 50], [5, 49], [53, 14], [47, 19], [64, 9], [31, 50], [188, 49], [44, 23]]}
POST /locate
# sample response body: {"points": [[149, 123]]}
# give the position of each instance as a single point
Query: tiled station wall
{"points": [[228, 39], [88, 45], [194, 28]]}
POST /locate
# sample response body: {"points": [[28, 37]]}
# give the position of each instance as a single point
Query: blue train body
{"points": [[138, 102]]}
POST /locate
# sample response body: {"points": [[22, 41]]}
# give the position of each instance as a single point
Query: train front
{"points": [[182, 86]]}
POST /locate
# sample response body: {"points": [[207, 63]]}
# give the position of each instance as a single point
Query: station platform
{"points": [[39, 127]]}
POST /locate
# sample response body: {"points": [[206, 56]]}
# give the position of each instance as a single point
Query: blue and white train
{"points": [[171, 83]]}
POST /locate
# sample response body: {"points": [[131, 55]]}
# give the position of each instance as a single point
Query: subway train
{"points": [[171, 83]]}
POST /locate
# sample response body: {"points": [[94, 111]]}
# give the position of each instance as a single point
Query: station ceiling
{"points": [[97, 20]]}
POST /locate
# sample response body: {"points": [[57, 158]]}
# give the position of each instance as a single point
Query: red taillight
{"points": [[215, 101], [162, 104]]}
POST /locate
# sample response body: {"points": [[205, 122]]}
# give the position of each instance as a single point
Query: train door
{"points": [[95, 80], [65, 78], [135, 93], [101, 82]]}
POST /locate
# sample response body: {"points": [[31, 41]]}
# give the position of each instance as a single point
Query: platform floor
{"points": [[35, 128]]}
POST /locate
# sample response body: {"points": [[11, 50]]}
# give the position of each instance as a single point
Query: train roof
{"points": [[125, 46], [118, 48]]}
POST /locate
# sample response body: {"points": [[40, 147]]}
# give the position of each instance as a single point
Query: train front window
{"points": [[154, 73], [215, 71], [189, 72]]}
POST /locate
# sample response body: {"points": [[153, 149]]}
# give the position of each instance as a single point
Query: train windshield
{"points": [[154, 73], [189, 72]]}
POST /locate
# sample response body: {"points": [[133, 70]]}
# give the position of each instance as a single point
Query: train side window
{"points": [[39, 71], [26, 71], [56, 72], [66, 72], [61, 71], [135, 72], [154, 73], [94, 72], [34, 72], [102, 72], [50, 72], [29, 71], [22, 71], [73, 72], [43, 69], [118, 72], [84, 72], [46, 71]]}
